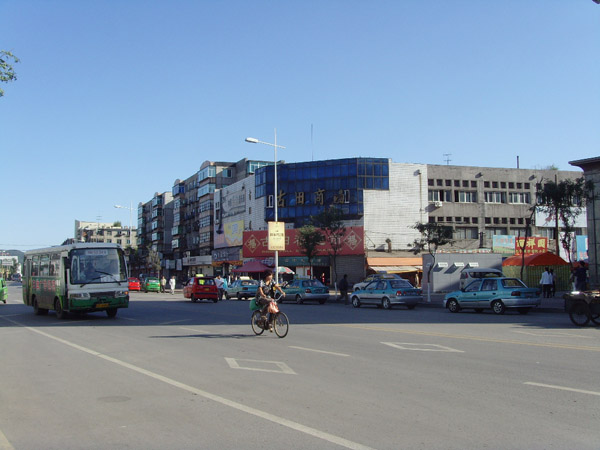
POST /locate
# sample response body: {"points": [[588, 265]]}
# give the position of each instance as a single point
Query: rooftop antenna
{"points": [[447, 158]]}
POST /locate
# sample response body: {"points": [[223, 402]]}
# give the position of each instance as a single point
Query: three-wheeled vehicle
{"points": [[583, 307]]}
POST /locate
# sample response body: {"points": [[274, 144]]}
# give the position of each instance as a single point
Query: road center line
{"points": [[562, 388], [342, 442], [318, 351], [470, 338]]}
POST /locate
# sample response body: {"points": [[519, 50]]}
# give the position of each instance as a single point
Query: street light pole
{"points": [[275, 199], [130, 208]]}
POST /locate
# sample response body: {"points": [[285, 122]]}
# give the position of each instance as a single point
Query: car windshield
{"points": [[249, 283], [512, 283], [312, 283], [400, 284]]}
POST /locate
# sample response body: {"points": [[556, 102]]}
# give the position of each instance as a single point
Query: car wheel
{"points": [[37, 310], [193, 299], [239, 296], [498, 307], [299, 299], [386, 303], [453, 306], [355, 302], [111, 312]]}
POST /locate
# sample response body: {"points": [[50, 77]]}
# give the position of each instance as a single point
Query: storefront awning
{"points": [[396, 269], [396, 265]]}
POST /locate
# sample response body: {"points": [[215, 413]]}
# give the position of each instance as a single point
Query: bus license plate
{"points": [[101, 305]]}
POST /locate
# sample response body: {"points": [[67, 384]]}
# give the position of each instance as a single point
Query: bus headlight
{"points": [[121, 294], [80, 296]]}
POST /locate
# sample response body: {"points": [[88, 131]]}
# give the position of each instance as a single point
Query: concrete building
{"points": [[105, 232], [591, 172]]}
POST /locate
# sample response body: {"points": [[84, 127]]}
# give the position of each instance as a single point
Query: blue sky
{"points": [[117, 99]]}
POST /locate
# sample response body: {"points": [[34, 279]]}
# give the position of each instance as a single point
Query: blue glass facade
{"points": [[306, 188]]}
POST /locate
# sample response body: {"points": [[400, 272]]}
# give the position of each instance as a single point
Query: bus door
{"points": [[27, 281]]}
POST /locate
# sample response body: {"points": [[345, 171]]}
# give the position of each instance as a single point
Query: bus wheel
{"points": [[37, 310], [111, 312], [60, 312]]}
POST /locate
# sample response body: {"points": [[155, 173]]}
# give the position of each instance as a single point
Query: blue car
{"points": [[497, 294], [241, 289], [385, 293]]}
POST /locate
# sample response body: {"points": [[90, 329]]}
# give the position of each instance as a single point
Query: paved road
{"points": [[171, 374]]}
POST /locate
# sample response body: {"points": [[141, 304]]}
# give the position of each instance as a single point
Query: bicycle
{"points": [[276, 321]]}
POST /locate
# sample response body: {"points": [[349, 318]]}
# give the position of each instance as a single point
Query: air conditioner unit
{"points": [[438, 204]]}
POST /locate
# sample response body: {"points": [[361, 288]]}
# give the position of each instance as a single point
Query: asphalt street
{"points": [[168, 373]]}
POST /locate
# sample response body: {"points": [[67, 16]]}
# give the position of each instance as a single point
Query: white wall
{"points": [[391, 214]]}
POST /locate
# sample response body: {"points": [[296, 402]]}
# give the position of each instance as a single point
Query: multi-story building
{"points": [[105, 232], [155, 222], [193, 212], [481, 202]]}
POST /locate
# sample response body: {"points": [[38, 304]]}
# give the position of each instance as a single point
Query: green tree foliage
{"points": [[433, 236], [153, 261], [7, 73], [331, 221], [309, 239], [564, 201]]}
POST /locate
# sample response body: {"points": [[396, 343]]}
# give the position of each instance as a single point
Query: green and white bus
{"points": [[82, 277]]}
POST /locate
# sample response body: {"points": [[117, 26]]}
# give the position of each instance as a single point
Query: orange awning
{"points": [[536, 259]]}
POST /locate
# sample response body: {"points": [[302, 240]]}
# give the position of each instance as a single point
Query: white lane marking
{"points": [[171, 323], [281, 367], [562, 388], [422, 347], [318, 351], [337, 440], [4, 444], [551, 334]]}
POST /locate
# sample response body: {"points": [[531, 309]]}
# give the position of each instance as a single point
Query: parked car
{"points": [[151, 284], [134, 284], [375, 276], [3, 290], [468, 275], [495, 293], [387, 292], [201, 288], [241, 289], [305, 290]]}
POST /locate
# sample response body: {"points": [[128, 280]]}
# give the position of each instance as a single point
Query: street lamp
{"points": [[130, 208], [275, 199]]}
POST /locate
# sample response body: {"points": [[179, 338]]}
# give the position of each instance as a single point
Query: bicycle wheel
{"points": [[580, 314], [254, 322], [281, 324]]}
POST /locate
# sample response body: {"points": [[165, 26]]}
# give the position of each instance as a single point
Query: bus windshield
{"points": [[97, 265]]}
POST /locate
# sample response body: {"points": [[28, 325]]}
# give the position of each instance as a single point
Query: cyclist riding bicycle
{"points": [[265, 293]]}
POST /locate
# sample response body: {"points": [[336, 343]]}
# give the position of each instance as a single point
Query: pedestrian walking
{"points": [[344, 289], [163, 284], [546, 282], [580, 276], [172, 285], [219, 283]]}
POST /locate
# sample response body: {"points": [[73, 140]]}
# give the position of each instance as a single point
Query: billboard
{"points": [[256, 244], [534, 245]]}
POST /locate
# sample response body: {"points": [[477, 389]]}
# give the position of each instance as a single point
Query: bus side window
{"points": [[35, 266]]}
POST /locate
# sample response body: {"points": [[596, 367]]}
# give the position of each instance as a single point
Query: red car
{"points": [[199, 288], [134, 284]]}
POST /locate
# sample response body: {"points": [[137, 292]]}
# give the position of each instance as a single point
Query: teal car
{"points": [[3, 290], [497, 294], [241, 289], [151, 284], [387, 292], [303, 290]]}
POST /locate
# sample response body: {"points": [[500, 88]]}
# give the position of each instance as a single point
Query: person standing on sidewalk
{"points": [[344, 289], [163, 284], [172, 285], [581, 277], [546, 282]]}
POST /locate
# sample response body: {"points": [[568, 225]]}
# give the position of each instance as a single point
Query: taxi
{"points": [[201, 288]]}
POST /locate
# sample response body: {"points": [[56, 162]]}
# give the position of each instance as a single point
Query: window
{"points": [[466, 233], [511, 185], [448, 182], [489, 285], [465, 183], [495, 197], [518, 197], [503, 185], [465, 196], [486, 184], [206, 189], [440, 219], [439, 182], [270, 201], [430, 182], [207, 172], [434, 196], [227, 173], [474, 184]]}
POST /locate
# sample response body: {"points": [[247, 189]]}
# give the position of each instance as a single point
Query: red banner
{"points": [[534, 245], [255, 244]]}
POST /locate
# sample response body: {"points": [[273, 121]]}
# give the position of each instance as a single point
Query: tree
{"points": [[7, 73], [433, 236], [330, 220], [153, 261], [309, 238], [564, 201]]}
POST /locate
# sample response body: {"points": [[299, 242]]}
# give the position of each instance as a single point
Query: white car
{"points": [[373, 277]]}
